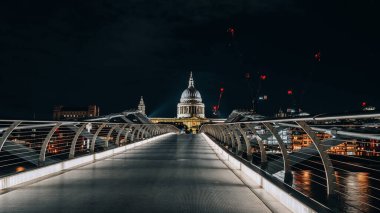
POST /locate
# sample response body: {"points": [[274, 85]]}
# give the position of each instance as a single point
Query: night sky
{"points": [[109, 53]]}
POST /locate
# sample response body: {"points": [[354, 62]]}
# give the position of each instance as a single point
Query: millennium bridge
{"points": [[251, 166]]}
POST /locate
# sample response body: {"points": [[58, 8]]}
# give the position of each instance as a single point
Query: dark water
{"points": [[357, 181], [356, 191]]}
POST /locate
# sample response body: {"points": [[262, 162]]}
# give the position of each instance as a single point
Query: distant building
{"points": [[290, 112], [280, 114], [369, 108], [301, 139], [141, 106], [75, 113]]}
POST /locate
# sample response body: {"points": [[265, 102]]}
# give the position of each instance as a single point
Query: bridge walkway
{"points": [[178, 173]]}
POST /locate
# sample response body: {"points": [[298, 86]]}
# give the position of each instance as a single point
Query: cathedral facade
{"points": [[190, 109], [190, 104]]}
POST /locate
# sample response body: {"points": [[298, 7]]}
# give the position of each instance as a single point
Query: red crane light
{"points": [[317, 56], [231, 31], [263, 77], [290, 92], [214, 108], [364, 104], [222, 89]]}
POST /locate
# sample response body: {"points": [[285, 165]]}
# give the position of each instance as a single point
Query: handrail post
{"points": [[281, 143], [92, 147], [8, 132], [263, 152], [329, 170], [41, 160], [75, 139], [117, 142]]}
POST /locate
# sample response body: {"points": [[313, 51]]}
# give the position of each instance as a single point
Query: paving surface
{"points": [[178, 173]]}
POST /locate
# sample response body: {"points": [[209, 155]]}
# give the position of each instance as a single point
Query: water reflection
{"points": [[356, 191]]}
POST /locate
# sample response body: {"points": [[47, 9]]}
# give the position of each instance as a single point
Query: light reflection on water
{"points": [[357, 191]]}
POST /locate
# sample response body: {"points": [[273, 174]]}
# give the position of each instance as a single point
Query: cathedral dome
{"points": [[191, 104], [191, 95]]}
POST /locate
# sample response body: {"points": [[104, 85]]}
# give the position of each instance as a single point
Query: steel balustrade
{"points": [[30, 144], [338, 130]]}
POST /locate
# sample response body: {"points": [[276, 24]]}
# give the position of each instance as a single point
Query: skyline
{"points": [[110, 54]]}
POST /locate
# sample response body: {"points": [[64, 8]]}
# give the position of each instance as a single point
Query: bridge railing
{"points": [[26, 145], [333, 160]]}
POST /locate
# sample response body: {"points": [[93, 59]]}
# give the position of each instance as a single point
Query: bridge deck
{"points": [[175, 174]]}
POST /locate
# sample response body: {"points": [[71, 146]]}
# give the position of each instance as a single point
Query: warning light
{"points": [[214, 108], [364, 104], [317, 56], [231, 31], [290, 92], [263, 77], [222, 89]]}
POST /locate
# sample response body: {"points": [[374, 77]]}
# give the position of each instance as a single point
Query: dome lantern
{"points": [[191, 80]]}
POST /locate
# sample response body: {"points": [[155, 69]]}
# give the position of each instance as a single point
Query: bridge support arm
{"points": [[247, 143], [92, 147], [75, 139], [329, 170], [263, 153], [119, 134], [8, 132], [109, 135], [137, 128], [281, 143], [45, 144]]}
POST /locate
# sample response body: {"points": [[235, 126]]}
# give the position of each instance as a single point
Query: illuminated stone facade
{"points": [[75, 113], [190, 104], [190, 109], [141, 106]]}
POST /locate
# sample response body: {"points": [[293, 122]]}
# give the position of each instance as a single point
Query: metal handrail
{"points": [[311, 158], [312, 118], [30, 143]]}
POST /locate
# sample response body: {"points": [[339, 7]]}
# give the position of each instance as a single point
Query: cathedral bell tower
{"points": [[141, 106]]}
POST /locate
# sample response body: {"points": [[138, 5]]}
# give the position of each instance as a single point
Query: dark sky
{"points": [[109, 53]]}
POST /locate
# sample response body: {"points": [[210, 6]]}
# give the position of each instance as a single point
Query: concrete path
{"points": [[178, 173]]}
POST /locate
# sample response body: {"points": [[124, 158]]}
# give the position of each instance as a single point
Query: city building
{"points": [[141, 106], [359, 147], [301, 139], [291, 112], [369, 108], [75, 113], [190, 109]]}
